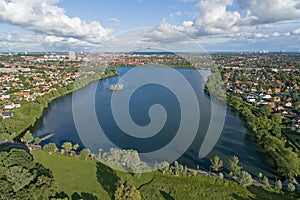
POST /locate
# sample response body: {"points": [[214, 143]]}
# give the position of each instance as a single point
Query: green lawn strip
{"points": [[198, 187], [72, 174]]}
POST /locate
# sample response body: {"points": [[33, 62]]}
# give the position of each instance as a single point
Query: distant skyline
{"points": [[216, 25]]}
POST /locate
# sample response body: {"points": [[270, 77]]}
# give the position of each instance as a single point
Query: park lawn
{"points": [[72, 174], [194, 187], [201, 187]]}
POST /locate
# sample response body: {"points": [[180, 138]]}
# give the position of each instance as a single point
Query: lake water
{"points": [[58, 118]]}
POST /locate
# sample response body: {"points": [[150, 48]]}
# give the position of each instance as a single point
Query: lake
{"points": [[59, 118]]}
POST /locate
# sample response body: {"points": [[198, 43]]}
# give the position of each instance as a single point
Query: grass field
{"points": [[90, 179], [72, 174]]}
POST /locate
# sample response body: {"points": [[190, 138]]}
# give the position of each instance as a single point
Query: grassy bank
{"points": [[97, 181]]}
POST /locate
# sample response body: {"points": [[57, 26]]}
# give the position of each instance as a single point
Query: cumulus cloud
{"points": [[44, 16], [215, 18], [270, 11], [296, 31]]}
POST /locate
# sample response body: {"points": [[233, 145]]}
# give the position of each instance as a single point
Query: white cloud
{"points": [[187, 24], [176, 14], [44, 16], [269, 11], [265, 26], [276, 34], [215, 19], [296, 31]]}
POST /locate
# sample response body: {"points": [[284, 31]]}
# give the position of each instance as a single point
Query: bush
{"points": [[244, 179], [278, 185], [291, 187]]}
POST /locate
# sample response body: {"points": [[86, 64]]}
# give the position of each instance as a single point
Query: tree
{"points": [[266, 181], [276, 118], [177, 168], [291, 187], [84, 154], [288, 163], [266, 110], [50, 148], [216, 163], [67, 146], [126, 191], [163, 166], [75, 147], [244, 179], [27, 138], [22, 178], [278, 185], [37, 140], [19, 177], [260, 175], [233, 165]]}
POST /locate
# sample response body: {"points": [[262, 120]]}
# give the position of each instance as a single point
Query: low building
{"points": [[9, 106], [7, 115]]}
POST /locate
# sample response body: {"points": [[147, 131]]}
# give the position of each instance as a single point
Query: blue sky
{"points": [[216, 25]]}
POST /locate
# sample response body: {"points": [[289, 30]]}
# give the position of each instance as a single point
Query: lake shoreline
{"points": [[82, 84]]}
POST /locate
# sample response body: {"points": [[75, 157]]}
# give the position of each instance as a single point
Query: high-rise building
{"points": [[72, 55]]}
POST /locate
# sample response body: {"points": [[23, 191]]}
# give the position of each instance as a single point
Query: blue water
{"points": [[58, 119]]}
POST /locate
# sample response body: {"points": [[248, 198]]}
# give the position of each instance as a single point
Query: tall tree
{"points": [[233, 165], [216, 163], [288, 163], [27, 138]]}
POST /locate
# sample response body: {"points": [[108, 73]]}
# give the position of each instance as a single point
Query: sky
{"points": [[85, 25]]}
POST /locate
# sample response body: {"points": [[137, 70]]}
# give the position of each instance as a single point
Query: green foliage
{"points": [[75, 147], [216, 163], [276, 118], [266, 110], [21, 178], [215, 86], [244, 179], [27, 138], [84, 154], [126, 191], [37, 140], [278, 185], [124, 160], [75, 176], [268, 134], [177, 168], [266, 181], [67, 146], [162, 166], [288, 163], [291, 187], [233, 165], [50, 148]]}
